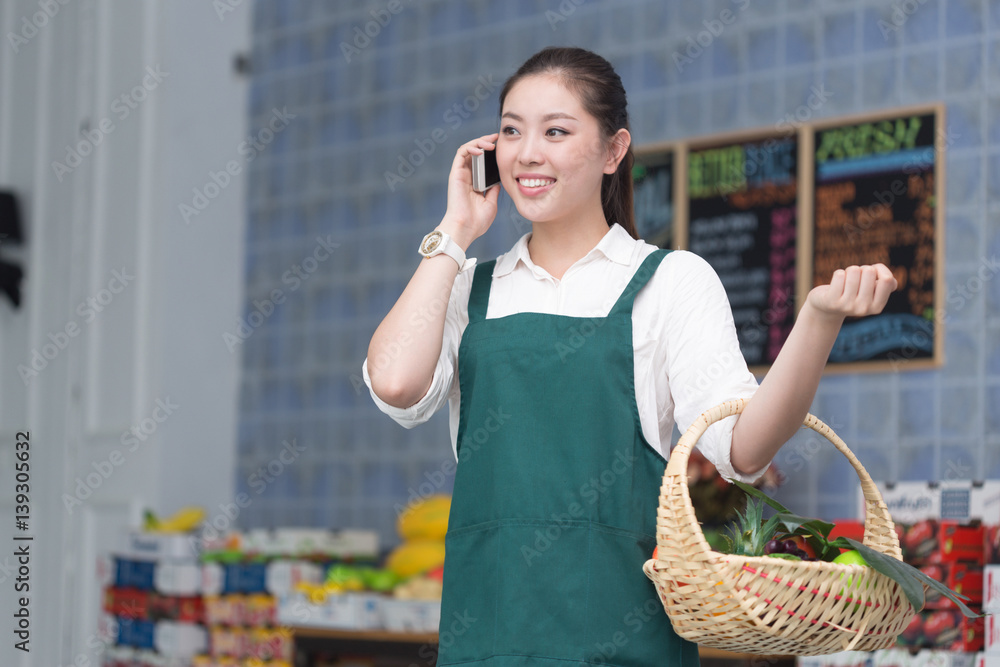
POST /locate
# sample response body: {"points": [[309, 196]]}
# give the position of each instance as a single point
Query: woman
{"points": [[566, 362]]}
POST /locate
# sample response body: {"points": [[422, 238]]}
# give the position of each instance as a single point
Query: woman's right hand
{"points": [[469, 213]]}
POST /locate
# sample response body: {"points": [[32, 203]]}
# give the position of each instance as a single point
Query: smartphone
{"points": [[485, 173]]}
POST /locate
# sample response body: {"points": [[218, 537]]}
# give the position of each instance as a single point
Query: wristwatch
{"points": [[437, 242]]}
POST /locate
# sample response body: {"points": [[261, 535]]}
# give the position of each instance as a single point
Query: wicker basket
{"points": [[768, 605]]}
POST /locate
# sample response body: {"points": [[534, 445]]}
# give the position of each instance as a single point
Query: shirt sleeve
{"points": [[703, 356], [445, 381]]}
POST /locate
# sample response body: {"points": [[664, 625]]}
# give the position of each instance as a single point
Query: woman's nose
{"points": [[530, 151]]}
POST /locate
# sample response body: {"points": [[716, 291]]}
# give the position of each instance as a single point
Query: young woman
{"points": [[566, 362]]}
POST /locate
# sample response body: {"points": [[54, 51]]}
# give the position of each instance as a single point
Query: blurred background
{"points": [[221, 200]]}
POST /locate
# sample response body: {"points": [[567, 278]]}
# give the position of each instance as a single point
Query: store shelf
{"points": [[366, 635], [412, 648], [718, 654], [422, 647]]}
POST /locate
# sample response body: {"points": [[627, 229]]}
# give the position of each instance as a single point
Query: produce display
{"points": [[896, 657], [232, 605], [955, 555], [176, 595], [402, 594], [154, 611]]}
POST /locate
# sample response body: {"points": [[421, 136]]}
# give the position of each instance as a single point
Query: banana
{"points": [[183, 520]]}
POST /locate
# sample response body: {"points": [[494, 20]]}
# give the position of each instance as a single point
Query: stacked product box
{"points": [[898, 657], [245, 576], [241, 611], [953, 554], [950, 531], [991, 603], [154, 614]]}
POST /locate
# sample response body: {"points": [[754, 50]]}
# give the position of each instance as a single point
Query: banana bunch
{"points": [[184, 520], [317, 593]]}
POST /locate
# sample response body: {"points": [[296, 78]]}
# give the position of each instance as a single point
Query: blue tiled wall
{"points": [[358, 114]]}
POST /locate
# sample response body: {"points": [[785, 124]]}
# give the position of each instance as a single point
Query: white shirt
{"points": [[686, 354]]}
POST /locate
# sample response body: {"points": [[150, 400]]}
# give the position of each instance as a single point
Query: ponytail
{"points": [[617, 195]]}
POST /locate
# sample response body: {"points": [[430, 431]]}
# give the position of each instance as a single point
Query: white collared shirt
{"points": [[686, 355]]}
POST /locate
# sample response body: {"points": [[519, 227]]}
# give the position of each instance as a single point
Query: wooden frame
{"points": [[804, 134], [655, 152], [937, 110], [740, 137]]}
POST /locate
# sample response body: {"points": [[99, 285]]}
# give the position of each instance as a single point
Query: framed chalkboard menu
{"points": [[776, 211], [742, 218], [654, 180], [877, 196]]}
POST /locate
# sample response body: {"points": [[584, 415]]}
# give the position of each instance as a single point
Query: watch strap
{"points": [[447, 246]]}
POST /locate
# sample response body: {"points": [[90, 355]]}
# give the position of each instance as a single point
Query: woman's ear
{"points": [[617, 150]]}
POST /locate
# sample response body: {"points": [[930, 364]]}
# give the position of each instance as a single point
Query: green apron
{"points": [[554, 507]]}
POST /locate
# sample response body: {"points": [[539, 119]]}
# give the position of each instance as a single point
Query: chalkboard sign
{"points": [[653, 183], [742, 217], [877, 198]]}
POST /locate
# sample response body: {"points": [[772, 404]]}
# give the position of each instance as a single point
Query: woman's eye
{"points": [[508, 130], [556, 131]]}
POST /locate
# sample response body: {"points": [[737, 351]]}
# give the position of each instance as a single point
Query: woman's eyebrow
{"points": [[549, 116]]}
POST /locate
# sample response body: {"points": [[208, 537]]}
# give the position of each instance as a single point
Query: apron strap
{"points": [[639, 280], [479, 297]]}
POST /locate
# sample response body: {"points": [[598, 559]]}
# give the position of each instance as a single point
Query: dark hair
{"points": [[600, 90]]}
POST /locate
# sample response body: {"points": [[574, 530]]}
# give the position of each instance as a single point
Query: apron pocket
{"points": [[628, 625], [576, 591], [544, 587], [469, 594]]}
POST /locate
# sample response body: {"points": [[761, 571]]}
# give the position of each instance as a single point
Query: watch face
{"points": [[431, 242]]}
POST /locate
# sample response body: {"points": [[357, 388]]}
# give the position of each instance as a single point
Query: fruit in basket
{"points": [[416, 557], [786, 549], [750, 535], [426, 520], [850, 557], [911, 581]]}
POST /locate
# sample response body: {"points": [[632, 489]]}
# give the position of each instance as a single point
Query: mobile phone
{"points": [[485, 172]]}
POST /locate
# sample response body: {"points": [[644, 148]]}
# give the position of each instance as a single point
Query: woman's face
{"points": [[551, 152]]}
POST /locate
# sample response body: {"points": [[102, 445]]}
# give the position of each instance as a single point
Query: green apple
{"points": [[850, 557]]}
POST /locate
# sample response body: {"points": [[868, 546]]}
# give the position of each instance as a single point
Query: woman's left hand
{"points": [[854, 292]]}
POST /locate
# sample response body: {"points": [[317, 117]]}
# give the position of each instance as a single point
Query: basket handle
{"points": [[879, 531]]}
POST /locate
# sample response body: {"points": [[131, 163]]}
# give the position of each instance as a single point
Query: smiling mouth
{"points": [[536, 182]]}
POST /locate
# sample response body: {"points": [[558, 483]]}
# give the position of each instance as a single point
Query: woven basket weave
{"points": [[765, 605]]}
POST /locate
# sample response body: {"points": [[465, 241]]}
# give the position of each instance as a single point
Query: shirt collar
{"points": [[617, 245]]}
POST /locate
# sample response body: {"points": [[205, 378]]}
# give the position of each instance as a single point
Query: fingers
{"points": [[861, 290], [885, 285], [837, 283], [866, 288], [492, 195], [852, 280], [474, 147], [484, 143]]}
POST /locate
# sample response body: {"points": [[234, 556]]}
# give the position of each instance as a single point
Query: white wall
{"points": [[159, 336]]}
